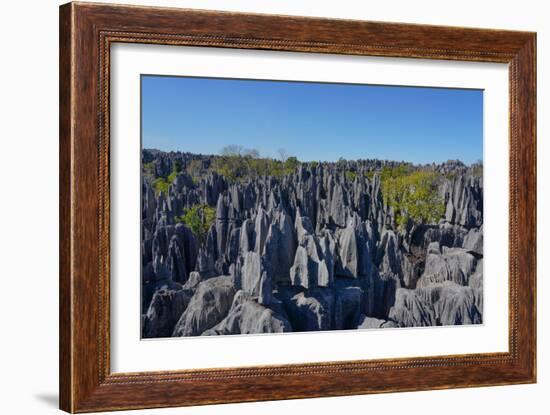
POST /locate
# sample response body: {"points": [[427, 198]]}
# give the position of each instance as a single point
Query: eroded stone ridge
{"points": [[313, 249]]}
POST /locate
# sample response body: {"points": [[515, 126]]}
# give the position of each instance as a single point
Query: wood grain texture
{"points": [[65, 248], [86, 33]]}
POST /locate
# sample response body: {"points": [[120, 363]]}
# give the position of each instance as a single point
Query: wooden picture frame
{"points": [[86, 33]]}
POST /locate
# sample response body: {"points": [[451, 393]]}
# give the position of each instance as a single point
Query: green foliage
{"points": [[194, 168], [350, 175], [341, 162], [236, 163], [171, 177], [161, 185], [412, 195], [477, 169], [199, 218], [149, 169], [290, 165], [450, 175], [369, 174], [231, 167], [395, 172]]}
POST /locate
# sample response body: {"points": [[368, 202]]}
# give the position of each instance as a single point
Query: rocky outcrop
{"points": [[411, 310], [312, 310], [246, 316], [453, 303], [447, 264], [315, 248], [208, 306], [464, 194], [164, 311], [375, 323]]}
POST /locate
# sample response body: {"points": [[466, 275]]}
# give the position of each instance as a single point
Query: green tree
{"points": [[290, 164], [194, 169], [413, 196], [477, 168], [350, 175], [149, 169], [199, 218], [161, 185], [238, 163], [283, 154]]}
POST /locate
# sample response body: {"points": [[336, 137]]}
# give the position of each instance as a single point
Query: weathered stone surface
{"points": [[247, 236], [315, 248], [313, 262], [208, 306], [314, 310], [349, 255], [265, 292], [473, 243], [349, 302], [374, 323], [338, 206], [193, 281], [453, 303], [457, 305], [247, 316], [411, 310], [464, 201], [280, 246], [389, 255], [300, 271], [251, 273], [261, 227], [450, 264], [164, 311]]}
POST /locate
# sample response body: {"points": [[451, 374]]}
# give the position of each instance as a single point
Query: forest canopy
{"points": [[413, 195]]}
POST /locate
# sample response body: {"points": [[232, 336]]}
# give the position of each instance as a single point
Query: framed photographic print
{"points": [[258, 207]]}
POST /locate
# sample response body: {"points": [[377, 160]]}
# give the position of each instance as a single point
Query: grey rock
{"points": [[473, 243], [280, 246], [389, 255], [452, 264], [411, 310], [349, 255], [208, 306], [251, 273], [464, 201], [193, 281], [338, 206], [265, 292], [247, 236], [349, 301], [453, 303], [164, 311], [316, 246], [374, 323], [261, 227], [313, 310], [248, 317]]}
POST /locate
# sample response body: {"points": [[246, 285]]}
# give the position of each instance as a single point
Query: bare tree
{"points": [[232, 150], [252, 153], [283, 154]]}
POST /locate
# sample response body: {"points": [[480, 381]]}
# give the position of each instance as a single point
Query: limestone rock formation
{"points": [[208, 306], [313, 247]]}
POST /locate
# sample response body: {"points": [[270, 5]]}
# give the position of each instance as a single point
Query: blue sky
{"points": [[312, 121]]}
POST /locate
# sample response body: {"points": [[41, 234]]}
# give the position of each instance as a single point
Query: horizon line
{"points": [[480, 161]]}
